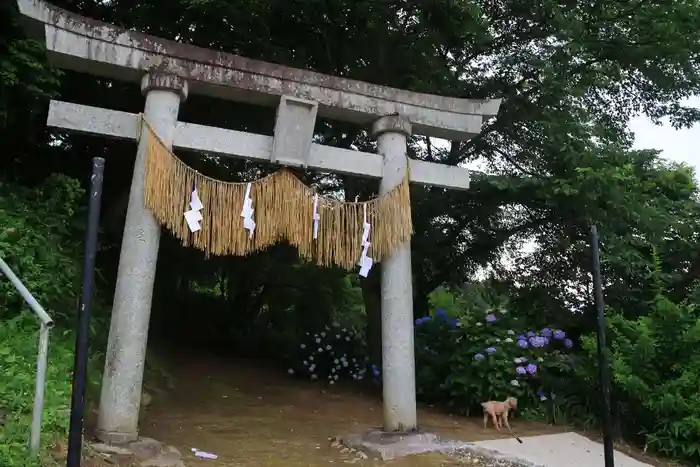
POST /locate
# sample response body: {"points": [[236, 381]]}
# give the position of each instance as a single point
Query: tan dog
{"points": [[498, 411]]}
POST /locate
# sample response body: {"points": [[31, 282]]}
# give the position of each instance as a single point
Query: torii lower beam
{"points": [[231, 143]]}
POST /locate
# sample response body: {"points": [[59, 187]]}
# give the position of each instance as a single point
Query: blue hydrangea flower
{"points": [[538, 342], [542, 396], [531, 368], [491, 350], [546, 332], [520, 370], [568, 343], [491, 318], [530, 334], [479, 356], [522, 343], [441, 313], [522, 337], [559, 334], [419, 321]]}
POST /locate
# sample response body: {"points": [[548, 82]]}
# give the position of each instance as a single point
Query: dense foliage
{"points": [[469, 353], [36, 226], [38, 229], [557, 158]]}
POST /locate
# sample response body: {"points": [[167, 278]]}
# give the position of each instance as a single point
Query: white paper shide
{"points": [[194, 216], [248, 211], [317, 217], [365, 261]]}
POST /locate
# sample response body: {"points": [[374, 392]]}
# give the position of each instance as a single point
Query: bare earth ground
{"points": [[251, 416]]}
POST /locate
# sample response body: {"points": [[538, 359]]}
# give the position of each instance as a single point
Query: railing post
{"points": [[42, 357]]}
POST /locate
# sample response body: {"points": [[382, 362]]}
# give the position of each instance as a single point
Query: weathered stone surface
{"points": [[145, 452], [85, 45], [145, 448], [388, 446], [105, 448], [164, 459]]}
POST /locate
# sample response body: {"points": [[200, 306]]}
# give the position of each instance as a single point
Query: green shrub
{"points": [[38, 233], [656, 375], [332, 354], [40, 238], [472, 351], [18, 353]]}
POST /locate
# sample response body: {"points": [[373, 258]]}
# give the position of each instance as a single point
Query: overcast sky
{"points": [[675, 144]]}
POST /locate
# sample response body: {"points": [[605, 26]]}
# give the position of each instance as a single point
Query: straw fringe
{"points": [[283, 212]]}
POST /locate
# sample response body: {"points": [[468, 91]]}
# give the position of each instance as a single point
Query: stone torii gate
{"points": [[167, 71]]}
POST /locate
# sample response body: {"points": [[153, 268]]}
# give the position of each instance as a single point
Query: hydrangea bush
{"points": [[332, 354], [466, 356]]}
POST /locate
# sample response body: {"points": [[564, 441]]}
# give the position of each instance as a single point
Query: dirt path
{"points": [[252, 416]]}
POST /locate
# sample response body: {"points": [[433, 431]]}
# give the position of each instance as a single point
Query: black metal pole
{"points": [[603, 373], [77, 411]]}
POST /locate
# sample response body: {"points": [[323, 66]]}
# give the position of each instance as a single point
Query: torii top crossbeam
{"points": [[85, 45]]}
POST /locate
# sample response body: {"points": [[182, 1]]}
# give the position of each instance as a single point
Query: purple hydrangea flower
{"points": [[522, 337], [522, 343], [490, 318], [559, 334], [568, 343], [520, 370], [441, 313], [537, 342], [419, 321], [479, 356], [546, 332], [491, 350], [531, 368], [530, 334]]}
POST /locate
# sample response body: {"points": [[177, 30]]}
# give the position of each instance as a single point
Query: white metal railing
{"points": [[46, 323]]}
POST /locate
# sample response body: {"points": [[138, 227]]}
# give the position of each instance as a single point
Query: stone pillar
{"points": [[398, 365], [128, 333]]}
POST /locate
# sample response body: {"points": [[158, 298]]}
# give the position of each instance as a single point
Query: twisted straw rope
{"points": [[283, 212]]}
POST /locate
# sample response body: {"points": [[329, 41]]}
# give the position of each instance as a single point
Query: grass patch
{"points": [[19, 339]]}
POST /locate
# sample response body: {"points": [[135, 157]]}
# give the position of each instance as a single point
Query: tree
{"points": [[571, 74]]}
